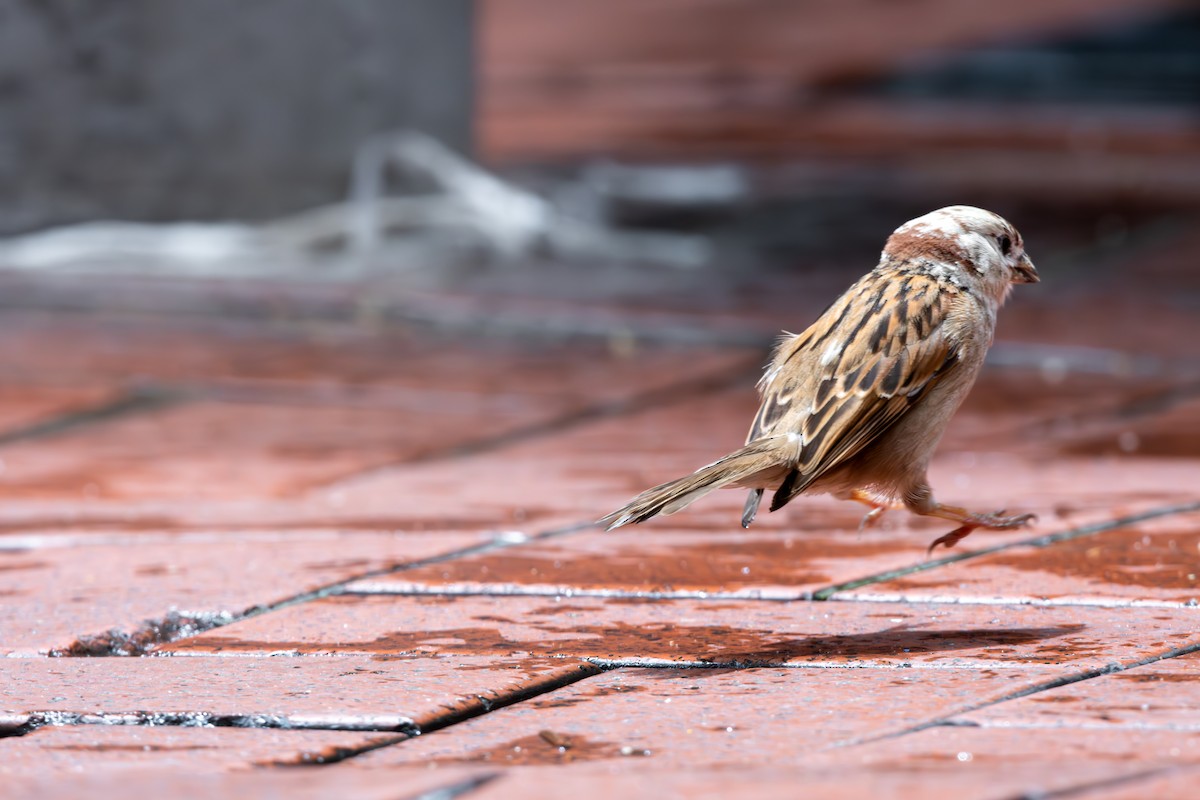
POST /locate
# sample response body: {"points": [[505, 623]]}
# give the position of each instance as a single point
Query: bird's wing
{"points": [[839, 385]]}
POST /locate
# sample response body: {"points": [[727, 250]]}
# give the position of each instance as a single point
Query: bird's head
{"points": [[965, 245]]}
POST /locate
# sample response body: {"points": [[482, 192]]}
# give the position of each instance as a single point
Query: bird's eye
{"points": [[1005, 244]]}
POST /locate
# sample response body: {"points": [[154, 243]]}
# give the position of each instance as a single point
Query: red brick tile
{"points": [[22, 405], [98, 749], [334, 360], [664, 558], [986, 748], [590, 470], [262, 416], [348, 693], [1163, 696], [208, 450], [1153, 562], [783, 781], [60, 587], [594, 469], [778, 561], [654, 724], [800, 633], [1166, 783], [675, 718], [186, 782]]}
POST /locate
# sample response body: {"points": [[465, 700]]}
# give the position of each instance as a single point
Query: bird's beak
{"points": [[1024, 271]]}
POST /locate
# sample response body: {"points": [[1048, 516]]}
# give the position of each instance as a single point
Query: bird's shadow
{"points": [[899, 643]]}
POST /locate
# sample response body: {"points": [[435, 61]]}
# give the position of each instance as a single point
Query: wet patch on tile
{"points": [[123, 594], [733, 633], [1137, 565], [971, 566]]}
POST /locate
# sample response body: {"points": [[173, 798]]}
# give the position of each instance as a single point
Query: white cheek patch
{"points": [[982, 251]]}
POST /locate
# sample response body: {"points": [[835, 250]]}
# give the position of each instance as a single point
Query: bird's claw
{"points": [[950, 539], [994, 521], [871, 517]]}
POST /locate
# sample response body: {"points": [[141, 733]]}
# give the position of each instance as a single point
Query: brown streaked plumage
{"points": [[855, 405]]}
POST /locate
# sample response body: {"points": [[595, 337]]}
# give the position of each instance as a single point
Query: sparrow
{"points": [[855, 405]]}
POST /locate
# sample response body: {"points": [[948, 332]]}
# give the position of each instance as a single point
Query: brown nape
{"points": [[910, 245]]}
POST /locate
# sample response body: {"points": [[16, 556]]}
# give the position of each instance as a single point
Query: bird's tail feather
{"points": [[755, 457]]}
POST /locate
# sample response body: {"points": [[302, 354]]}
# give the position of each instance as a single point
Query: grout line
{"points": [[455, 790], [166, 630], [951, 719], [369, 589], [206, 719], [1090, 726], [1085, 422], [653, 398], [131, 402], [649, 662], [1001, 600], [499, 542], [1082, 789], [582, 672], [176, 626], [829, 592], [566, 592], [403, 727]]}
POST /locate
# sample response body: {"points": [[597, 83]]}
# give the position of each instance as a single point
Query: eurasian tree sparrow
{"points": [[855, 405]]}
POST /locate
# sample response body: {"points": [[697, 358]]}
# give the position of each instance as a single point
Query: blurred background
{"points": [[674, 169]]}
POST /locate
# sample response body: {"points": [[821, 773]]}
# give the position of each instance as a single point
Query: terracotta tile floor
{"points": [[331, 560]]}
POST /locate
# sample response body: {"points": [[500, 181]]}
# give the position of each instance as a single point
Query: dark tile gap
{"points": [[968, 600], [534, 689], [952, 719], [682, 391], [1147, 406], [609, 664], [194, 719], [1081, 360], [458, 789], [173, 626], [176, 626], [403, 727], [1084, 789], [828, 592], [338, 587], [1159, 402], [132, 402], [568, 593]]}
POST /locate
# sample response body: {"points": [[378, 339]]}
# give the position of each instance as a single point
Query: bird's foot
{"points": [[994, 521]]}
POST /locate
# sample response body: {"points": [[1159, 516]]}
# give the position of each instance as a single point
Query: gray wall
{"points": [[167, 109]]}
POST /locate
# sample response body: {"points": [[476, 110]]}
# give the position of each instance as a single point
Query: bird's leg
{"points": [[920, 501], [877, 508]]}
